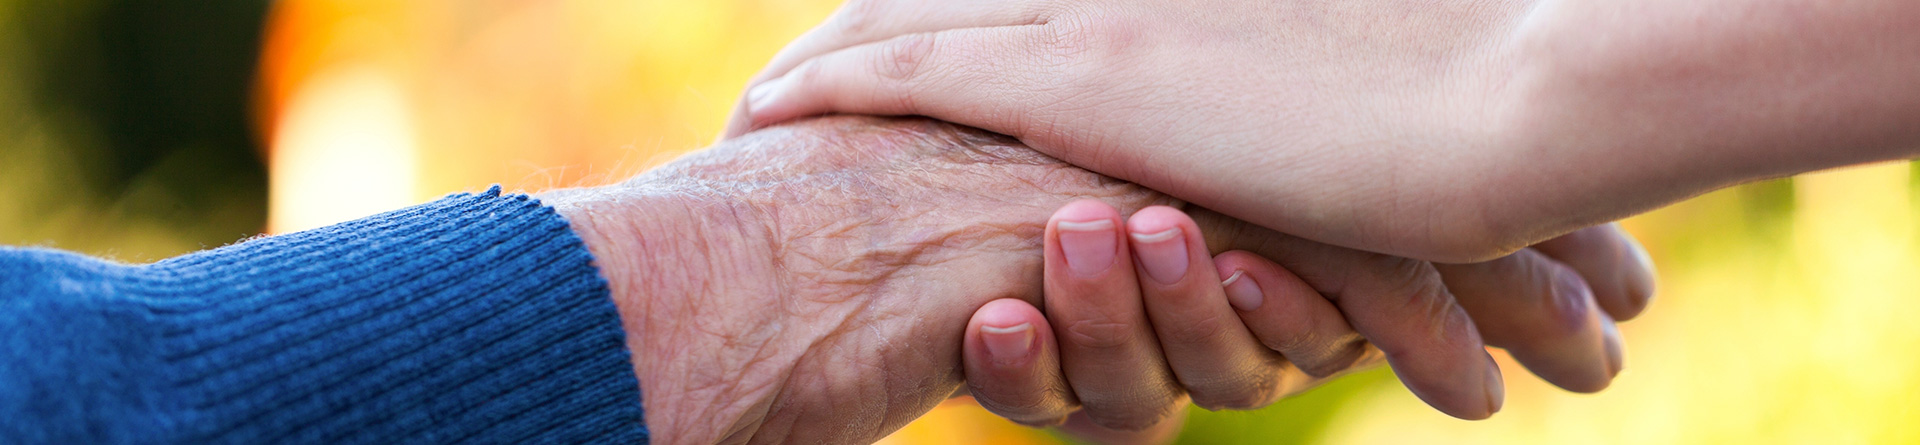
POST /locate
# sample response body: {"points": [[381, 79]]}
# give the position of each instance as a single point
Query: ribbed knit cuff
{"points": [[477, 317]]}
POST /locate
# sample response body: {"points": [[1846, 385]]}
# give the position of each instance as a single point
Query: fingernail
{"points": [[1496, 387], [1089, 245], [1242, 292], [1008, 344], [763, 94], [1163, 254]]}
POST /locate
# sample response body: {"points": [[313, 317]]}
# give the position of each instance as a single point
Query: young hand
{"points": [[1325, 120], [1447, 131]]}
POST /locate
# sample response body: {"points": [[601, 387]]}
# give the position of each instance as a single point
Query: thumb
{"points": [[1013, 366]]}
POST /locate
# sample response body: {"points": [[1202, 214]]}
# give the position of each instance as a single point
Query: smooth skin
{"points": [[1456, 131]]}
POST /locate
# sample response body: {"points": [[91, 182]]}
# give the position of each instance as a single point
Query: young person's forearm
{"points": [[1629, 105]]}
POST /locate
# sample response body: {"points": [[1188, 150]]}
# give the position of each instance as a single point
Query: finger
{"points": [[1288, 316], [1612, 262], [1107, 348], [865, 21], [1219, 363], [1399, 305], [1542, 312], [937, 74], [1082, 428], [1012, 365]]}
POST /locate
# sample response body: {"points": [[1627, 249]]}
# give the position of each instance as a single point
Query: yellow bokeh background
{"points": [[1785, 314]]}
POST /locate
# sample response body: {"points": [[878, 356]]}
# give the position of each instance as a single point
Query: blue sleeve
{"points": [[475, 318]]}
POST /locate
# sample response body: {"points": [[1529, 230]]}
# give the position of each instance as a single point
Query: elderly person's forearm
{"points": [[474, 317]]}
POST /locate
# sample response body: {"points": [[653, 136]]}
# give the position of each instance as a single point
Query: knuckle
{"points": [[1105, 55], [1413, 280], [805, 73], [1202, 329], [1555, 304], [1068, 52], [901, 58], [1419, 287], [1295, 342], [1568, 304], [1121, 416], [1344, 355], [1072, 35], [1092, 34], [900, 63], [1099, 334], [1003, 398], [1250, 392], [1018, 406]]}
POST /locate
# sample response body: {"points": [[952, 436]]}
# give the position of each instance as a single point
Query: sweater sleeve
{"points": [[475, 318]]}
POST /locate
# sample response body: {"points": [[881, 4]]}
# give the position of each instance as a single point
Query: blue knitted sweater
{"points": [[475, 318]]}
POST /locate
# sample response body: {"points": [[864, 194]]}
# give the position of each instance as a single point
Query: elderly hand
{"points": [[1263, 332], [811, 282]]}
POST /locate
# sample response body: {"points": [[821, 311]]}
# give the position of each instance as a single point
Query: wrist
{"points": [[665, 255], [1469, 130], [1615, 108], [1588, 122]]}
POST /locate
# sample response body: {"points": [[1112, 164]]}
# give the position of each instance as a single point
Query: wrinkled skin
{"points": [[863, 245], [810, 283]]}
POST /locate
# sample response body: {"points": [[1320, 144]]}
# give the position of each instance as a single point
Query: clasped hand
{"points": [[810, 283]]}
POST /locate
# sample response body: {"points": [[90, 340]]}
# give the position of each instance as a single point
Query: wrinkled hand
{"points": [[810, 282], [1262, 333]]}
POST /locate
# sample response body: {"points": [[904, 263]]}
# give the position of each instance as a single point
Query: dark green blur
{"points": [[125, 125]]}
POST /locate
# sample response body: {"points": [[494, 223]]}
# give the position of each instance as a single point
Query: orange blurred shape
{"points": [[528, 94], [334, 97]]}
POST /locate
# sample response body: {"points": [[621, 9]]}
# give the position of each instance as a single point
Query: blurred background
{"points": [[139, 130]]}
